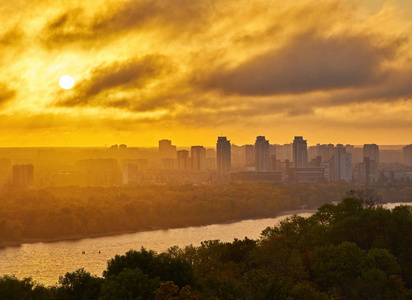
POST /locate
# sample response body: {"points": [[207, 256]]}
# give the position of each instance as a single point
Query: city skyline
{"points": [[178, 126], [332, 71], [294, 162]]}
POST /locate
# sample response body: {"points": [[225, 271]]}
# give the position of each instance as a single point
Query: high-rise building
{"points": [[391, 156], [300, 152], [166, 149], [198, 154], [183, 162], [211, 159], [357, 155], [169, 164], [223, 152], [122, 151], [23, 176], [284, 152], [313, 152], [262, 155], [275, 164], [130, 174], [371, 152], [407, 155], [249, 155], [238, 159], [101, 171], [5, 170], [341, 165]]}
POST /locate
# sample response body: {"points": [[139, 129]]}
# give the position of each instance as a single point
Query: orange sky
{"points": [[332, 71]]}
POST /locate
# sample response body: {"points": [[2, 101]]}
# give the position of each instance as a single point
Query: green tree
{"points": [[165, 266], [79, 285], [129, 284], [12, 288]]}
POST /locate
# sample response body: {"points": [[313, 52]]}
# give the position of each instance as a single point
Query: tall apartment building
{"points": [[371, 160], [407, 155], [249, 155], [262, 155], [166, 149], [183, 160], [223, 155], [341, 165], [300, 152], [391, 156], [238, 159], [198, 154], [130, 174], [23, 176], [284, 152]]}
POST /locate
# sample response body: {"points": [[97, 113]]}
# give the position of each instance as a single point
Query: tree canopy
{"points": [[351, 250]]}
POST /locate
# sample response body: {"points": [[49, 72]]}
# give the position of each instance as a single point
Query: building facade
{"points": [[300, 152], [23, 176], [223, 156], [371, 161], [262, 155], [183, 160], [166, 149], [407, 155], [198, 154]]}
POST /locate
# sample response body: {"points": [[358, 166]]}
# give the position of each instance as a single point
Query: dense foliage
{"points": [[352, 250], [80, 211]]}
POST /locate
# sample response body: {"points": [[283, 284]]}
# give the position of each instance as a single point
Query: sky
{"points": [[190, 71]]}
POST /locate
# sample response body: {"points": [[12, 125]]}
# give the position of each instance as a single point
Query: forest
{"points": [[351, 250], [75, 212]]}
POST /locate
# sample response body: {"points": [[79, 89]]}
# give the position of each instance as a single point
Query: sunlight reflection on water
{"points": [[45, 262]]}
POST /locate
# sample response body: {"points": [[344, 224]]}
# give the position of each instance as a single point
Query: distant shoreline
{"points": [[19, 242]]}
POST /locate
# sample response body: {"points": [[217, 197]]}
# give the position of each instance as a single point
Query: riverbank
{"points": [[19, 242]]}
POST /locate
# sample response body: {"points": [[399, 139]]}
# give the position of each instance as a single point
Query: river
{"points": [[45, 262]]}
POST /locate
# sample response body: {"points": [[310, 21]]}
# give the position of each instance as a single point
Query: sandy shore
{"points": [[19, 242]]}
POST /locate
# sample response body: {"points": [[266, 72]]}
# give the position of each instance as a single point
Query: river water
{"points": [[45, 262]]}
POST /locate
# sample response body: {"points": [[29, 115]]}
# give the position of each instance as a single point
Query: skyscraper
{"points": [[371, 159], [130, 174], [407, 155], [198, 154], [23, 176], [166, 149], [262, 155], [371, 151], [300, 152], [249, 155], [183, 162], [223, 152], [341, 165]]}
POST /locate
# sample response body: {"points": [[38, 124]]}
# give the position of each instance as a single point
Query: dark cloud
{"points": [[397, 85], [178, 16], [62, 20], [131, 75], [187, 15], [67, 28], [307, 63], [6, 94], [11, 37]]}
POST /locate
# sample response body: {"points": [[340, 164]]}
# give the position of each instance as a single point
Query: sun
{"points": [[66, 82]]}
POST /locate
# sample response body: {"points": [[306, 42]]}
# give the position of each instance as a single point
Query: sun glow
{"points": [[66, 82]]}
